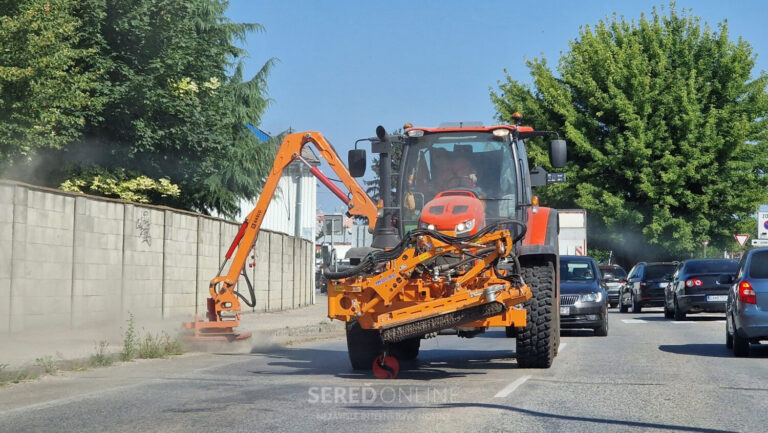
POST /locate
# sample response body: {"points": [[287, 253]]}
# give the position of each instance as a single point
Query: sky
{"points": [[344, 67]]}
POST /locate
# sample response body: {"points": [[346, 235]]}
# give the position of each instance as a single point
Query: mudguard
{"points": [[541, 237]]}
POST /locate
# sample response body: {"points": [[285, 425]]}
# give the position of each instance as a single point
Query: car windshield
{"points": [[474, 160], [659, 272], [576, 270], [758, 268], [613, 274], [712, 267]]}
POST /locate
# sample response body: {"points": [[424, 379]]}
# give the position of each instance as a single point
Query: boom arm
{"points": [[225, 303]]}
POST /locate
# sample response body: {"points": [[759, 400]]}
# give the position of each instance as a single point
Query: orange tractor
{"points": [[460, 244]]}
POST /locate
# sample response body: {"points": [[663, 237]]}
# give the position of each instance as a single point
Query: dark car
{"points": [[645, 286], [746, 313], [613, 277], [695, 287], [583, 299]]}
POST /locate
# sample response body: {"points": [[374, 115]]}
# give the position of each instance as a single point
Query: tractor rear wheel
{"points": [[536, 343], [363, 345]]}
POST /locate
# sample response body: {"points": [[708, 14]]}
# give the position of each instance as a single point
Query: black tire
{"points": [[363, 345], [602, 330], [679, 315], [613, 304], [406, 350], [622, 305], [636, 308], [740, 345], [728, 335], [536, 343], [668, 314], [510, 331]]}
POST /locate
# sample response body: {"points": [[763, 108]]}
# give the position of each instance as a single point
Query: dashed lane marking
{"points": [[509, 389]]}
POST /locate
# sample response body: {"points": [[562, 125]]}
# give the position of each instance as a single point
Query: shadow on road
{"points": [[690, 318], [717, 350], [431, 364], [620, 424], [577, 333]]}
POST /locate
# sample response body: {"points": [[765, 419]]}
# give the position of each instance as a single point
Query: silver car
{"points": [[746, 313]]}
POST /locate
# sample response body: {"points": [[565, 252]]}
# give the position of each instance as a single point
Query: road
{"points": [[649, 374]]}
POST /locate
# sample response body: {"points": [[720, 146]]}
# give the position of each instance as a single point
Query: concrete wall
{"points": [[69, 260]]}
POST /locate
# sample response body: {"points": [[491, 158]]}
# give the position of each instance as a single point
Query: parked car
{"points": [[613, 276], [583, 298], [746, 311], [695, 287], [645, 286]]}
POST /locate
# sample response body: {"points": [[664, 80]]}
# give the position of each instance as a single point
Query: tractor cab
{"points": [[456, 179]]}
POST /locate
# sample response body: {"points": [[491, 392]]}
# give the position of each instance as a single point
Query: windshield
{"points": [[712, 266], [613, 274], [576, 270], [478, 161], [659, 272]]}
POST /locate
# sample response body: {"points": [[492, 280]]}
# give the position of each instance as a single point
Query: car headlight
{"points": [[465, 226], [592, 297]]}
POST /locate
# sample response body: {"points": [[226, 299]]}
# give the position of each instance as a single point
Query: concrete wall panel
{"points": [[73, 260]]}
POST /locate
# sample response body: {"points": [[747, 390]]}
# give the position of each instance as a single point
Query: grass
{"points": [[47, 364], [148, 346], [129, 340], [101, 356], [158, 346]]}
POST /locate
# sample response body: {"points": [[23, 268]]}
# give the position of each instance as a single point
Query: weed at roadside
{"points": [[48, 364], [129, 340], [101, 357]]}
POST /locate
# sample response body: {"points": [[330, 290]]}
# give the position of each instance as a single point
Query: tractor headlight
{"points": [[464, 227], [423, 225], [592, 297]]}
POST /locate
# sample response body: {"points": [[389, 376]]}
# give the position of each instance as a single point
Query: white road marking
{"points": [[677, 323], [633, 321], [509, 389], [560, 349]]}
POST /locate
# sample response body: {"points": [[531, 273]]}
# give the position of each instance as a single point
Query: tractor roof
{"points": [[463, 127]]}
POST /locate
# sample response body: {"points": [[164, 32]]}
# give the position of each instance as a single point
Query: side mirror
{"points": [[356, 162], [558, 153], [725, 279]]}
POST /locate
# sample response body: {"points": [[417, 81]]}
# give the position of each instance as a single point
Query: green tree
{"points": [[372, 186], [174, 104], [666, 129], [46, 87]]}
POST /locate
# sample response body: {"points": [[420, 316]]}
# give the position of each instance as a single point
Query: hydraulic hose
{"points": [[371, 260]]}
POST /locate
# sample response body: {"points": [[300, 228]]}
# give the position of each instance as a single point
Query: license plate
{"points": [[565, 311], [662, 285], [717, 298]]}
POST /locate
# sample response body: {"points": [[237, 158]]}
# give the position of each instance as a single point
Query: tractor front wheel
{"points": [[363, 345], [536, 343]]}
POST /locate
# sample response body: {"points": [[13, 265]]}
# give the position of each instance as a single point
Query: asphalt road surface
{"points": [[648, 375]]}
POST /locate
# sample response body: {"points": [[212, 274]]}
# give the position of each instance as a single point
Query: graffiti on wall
{"points": [[144, 225]]}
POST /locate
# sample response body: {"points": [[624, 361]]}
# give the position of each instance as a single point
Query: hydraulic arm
{"points": [[223, 305]]}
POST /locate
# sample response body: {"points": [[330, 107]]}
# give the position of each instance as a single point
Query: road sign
{"points": [[741, 239], [762, 225], [760, 242]]}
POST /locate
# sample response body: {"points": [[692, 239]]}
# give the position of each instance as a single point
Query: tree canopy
{"points": [[666, 127], [151, 92]]}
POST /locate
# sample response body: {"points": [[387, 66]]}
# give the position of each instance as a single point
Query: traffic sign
{"points": [[741, 239], [760, 242], [762, 225]]}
